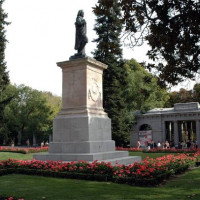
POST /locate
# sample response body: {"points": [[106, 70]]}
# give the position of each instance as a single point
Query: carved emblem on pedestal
{"points": [[94, 91]]}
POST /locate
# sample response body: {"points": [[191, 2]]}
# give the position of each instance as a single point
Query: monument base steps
{"points": [[82, 147], [114, 157]]}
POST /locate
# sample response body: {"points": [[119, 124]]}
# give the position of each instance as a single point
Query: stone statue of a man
{"points": [[80, 37]]}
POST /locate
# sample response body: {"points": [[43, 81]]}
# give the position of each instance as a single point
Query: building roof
{"points": [[178, 108]]}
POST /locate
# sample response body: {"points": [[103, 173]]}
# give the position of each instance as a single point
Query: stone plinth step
{"points": [[112, 156], [124, 160], [81, 156]]}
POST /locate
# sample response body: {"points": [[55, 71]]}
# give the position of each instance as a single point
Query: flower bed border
{"points": [[158, 150], [149, 172], [23, 150], [90, 177]]}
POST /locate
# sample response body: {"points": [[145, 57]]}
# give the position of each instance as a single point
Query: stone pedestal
{"points": [[82, 130]]}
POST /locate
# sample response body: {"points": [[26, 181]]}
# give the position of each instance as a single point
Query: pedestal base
{"points": [[84, 137], [81, 128], [114, 157], [82, 147]]}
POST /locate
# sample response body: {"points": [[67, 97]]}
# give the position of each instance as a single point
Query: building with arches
{"points": [[179, 124]]}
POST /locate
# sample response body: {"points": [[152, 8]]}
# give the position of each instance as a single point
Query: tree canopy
{"points": [[143, 92], [171, 28], [4, 78], [29, 114], [184, 96]]}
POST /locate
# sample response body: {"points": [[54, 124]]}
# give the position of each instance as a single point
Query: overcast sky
{"points": [[42, 33]]}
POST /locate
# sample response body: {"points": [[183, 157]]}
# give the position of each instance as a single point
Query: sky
{"points": [[42, 33]]}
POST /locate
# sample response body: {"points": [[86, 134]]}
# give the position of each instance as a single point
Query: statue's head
{"points": [[80, 13]]}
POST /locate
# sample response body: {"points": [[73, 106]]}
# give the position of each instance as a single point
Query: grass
{"points": [[7, 155], [20, 156], [35, 188]]}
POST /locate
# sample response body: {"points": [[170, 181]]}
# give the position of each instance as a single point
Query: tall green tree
{"points": [[172, 29], [6, 134], [108, 28], [5, 95], [143, 92], [4, 78]]}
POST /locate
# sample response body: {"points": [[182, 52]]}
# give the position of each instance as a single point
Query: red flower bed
{"points": [[128, 149], [148, 172], [159, 150], [10, 198], [170, 150], [23, 150]]}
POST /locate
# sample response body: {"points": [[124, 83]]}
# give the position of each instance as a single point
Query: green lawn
{"points": [[7, 155], [34, 188], [20, 156]]}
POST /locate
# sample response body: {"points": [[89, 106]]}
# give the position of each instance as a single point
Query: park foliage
{"points": [[171, 29], [29, 113], [4, 77]]}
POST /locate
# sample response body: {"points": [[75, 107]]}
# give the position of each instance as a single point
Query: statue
{"points": [[80, 38]]}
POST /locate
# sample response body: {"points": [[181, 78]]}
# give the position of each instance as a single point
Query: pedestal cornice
{"points": [[86, 61]]}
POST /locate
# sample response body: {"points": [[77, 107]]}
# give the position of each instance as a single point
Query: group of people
{"points": [[163, 145], [166, 145], [44, 144], [188, 145]]}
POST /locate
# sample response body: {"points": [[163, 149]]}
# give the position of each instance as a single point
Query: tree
{"points": [[108, 28], [5, 133], [5, 95], [184, 96], [54, 103], [28, 114], [143, 92], [181, 96], [196, 92], [172, 29], [4, 78]]}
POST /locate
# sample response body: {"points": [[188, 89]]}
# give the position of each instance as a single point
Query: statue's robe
{"points": [[81, 38]]}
